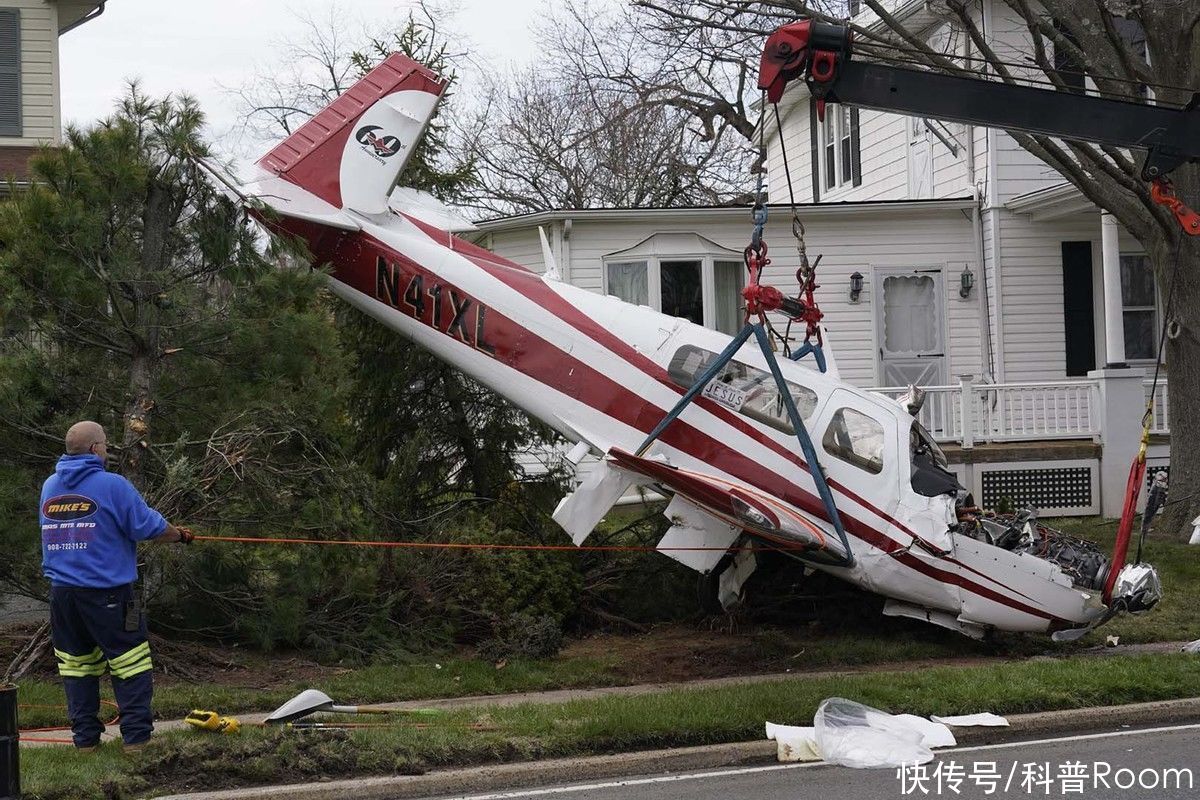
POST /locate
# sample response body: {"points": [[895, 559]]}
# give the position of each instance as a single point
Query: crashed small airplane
{"points": [[884, 513]]}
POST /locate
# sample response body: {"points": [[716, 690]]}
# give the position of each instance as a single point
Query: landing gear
{"points": [[721, 588]]}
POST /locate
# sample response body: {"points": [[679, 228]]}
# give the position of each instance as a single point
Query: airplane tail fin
{"points": [[351, 153]]}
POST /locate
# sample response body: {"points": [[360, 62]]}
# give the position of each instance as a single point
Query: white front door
{"points": [[911, 332], [920, 159]]}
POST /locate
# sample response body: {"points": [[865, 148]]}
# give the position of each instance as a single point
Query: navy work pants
{"points": [[91, 629]]}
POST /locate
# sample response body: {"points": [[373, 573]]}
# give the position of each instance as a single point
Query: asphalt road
{"points": [[1153, 764]]}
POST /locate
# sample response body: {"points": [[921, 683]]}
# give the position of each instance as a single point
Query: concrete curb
{"points": [[526, 775]]}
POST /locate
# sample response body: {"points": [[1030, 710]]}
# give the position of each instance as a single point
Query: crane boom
{"points": [[821, 54]]}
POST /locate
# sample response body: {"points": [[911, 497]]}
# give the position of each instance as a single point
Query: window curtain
{"points": [[628, 281], [910, 314], [728, 279]]}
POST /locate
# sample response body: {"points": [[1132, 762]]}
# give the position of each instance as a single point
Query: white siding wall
{"points": [[1018, 171], [794, 116], [522, 246], [1032, 292], [1023, 258], [39, 73], [864, 241], [951, 173]]}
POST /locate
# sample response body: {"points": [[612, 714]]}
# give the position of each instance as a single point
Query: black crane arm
{"points": [[821, 54]]}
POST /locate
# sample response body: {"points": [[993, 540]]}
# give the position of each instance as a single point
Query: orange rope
{"points": [[22, 731], [46, 741], [484, 546]]}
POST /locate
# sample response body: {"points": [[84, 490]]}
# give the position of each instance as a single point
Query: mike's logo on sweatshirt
{"points": [[68, 507]]}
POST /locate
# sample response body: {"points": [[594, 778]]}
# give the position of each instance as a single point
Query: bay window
{"points": [[683, 275]]}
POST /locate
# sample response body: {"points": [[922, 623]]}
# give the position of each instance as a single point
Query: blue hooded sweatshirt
{"points": [[91, 522]]}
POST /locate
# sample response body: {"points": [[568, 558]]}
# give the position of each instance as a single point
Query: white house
{"points": [[984, 277], [30, 114]]}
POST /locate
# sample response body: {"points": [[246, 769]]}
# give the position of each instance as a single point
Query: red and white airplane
{"points": [[604, 373]]}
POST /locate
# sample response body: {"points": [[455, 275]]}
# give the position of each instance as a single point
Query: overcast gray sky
{"points": [[200, 47]]}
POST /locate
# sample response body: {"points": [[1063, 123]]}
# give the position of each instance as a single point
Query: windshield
{"points": [[931, 475], [920, 441]]}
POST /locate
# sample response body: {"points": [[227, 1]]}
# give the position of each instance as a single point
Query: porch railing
{"points": [[972, 413], [1160, 414]]}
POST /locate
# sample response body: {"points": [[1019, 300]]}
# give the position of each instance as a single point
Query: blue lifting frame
{"points": [[806, 446]]}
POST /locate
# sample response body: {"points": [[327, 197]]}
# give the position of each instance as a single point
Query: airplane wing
{"points": [[708, 511]]}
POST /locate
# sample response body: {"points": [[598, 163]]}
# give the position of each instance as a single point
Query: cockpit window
{"points": [[920, 441], [747, 390], [855, 438], [931, 475]]}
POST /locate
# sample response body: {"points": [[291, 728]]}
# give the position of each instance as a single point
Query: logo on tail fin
{"points": [[383, 146]]}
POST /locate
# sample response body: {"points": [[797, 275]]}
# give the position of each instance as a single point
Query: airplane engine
{"points": [[1085, 563]]}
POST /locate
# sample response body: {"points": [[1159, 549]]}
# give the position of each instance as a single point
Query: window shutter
{"points": [[855, 157], [814, 149], [10, 72]]}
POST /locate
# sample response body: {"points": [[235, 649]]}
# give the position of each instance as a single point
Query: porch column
{"points": [[1121, 399], [1114, 327]]}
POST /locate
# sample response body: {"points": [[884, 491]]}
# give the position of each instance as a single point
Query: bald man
{"points": [[91, 523]]}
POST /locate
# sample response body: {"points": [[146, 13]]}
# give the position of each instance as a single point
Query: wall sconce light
{"points": [[965, 282], [856, 286]]}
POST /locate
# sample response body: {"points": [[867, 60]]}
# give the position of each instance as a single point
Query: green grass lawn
{"points": [[188, 760]]}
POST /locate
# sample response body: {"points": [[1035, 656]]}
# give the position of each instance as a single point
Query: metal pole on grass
{"points": [[10, 766]]}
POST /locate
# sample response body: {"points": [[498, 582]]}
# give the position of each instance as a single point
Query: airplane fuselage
{"points": [[605, 372]]}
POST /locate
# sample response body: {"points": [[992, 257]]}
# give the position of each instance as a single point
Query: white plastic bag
{"points": [[854, 735], [1191, 647]]}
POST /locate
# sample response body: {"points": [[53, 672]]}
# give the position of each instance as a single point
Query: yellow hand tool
{"points": [[212, 721]]}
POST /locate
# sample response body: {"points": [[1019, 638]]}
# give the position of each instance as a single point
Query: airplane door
{"points": [[857, 446], [911, 331]]}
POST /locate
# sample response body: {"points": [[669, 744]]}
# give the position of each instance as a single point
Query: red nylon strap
{"points": [[1133, 490]]}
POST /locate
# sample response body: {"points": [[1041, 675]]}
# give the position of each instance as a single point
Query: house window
{"points": [[1072, 73], [703, 288], [628, 280], [1139, 311], [1069, 70], [743, 388], [10, 72], [682, 294], [839, 147]]}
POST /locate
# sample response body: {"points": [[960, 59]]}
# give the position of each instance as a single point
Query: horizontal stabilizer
{"points": [[692, 526], [289, 200], [429, 209]]}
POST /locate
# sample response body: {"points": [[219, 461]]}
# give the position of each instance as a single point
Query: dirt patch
{"points": [[671, 653]]}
